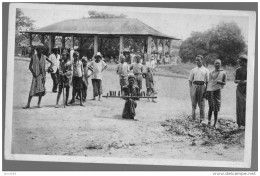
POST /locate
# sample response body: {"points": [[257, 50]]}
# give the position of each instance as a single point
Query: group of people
{"points": [[65, 72], [207, 85], [74, 72]]}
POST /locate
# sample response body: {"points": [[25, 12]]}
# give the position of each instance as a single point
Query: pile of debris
{"points": [[225, 133]]}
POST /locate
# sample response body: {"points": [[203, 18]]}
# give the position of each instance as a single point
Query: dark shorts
{"points": [[77, 82]]}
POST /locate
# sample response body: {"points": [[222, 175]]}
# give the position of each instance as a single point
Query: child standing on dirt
{"points": [[85, 78], [150, 84], [217, 80]]}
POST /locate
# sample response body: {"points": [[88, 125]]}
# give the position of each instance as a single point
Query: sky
{"points": [[177, 23]]}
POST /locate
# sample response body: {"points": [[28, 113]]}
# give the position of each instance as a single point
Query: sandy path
{"points": [[98, 129]]}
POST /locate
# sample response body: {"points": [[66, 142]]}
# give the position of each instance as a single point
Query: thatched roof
{"points": [[102, 26]]}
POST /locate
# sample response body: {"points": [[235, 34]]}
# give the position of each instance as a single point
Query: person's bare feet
{"points": [[26, 107], [57, 106], [39, 106]]}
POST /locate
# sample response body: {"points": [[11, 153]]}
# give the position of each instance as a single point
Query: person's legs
{"points": [[193, 100], [54, 80], [67, 95], [39, 101], [80, 95], [99, 86], [28, 102], [58, 97], [201, 102], [94, 84], [215, 118], [209, 116]]}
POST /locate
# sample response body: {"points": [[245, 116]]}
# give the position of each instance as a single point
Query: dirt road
{"points": [[98, 129]]}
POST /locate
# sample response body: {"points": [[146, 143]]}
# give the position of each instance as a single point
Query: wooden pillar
{"points": [[51, 42], [149, 47], [163, 46], [95, 44], [30, 39], [42, 39], [72, 39], [170, 47], [157, 43], [63, 41], [121, 46]]}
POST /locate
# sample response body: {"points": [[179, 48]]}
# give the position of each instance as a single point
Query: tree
{"points": [[95, 14], [22, 23], [224, 41]]}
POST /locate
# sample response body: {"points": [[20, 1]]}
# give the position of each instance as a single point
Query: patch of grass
{"points": [[185, 68]]}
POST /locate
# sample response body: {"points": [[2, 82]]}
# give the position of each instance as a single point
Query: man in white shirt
{"points": [[122, 70], [138, 72], [54, 65], [98, 66], [198, 79]]}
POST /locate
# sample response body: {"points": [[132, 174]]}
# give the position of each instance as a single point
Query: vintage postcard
{"points": [[130, 85]]}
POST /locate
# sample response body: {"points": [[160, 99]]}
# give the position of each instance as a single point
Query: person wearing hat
{"points": [[138, 72], [240, 80], [98, 66], [130, 104], [37, 68], [122, 70], [198, 80], [77, 78], [217, 80], [65, 76]]}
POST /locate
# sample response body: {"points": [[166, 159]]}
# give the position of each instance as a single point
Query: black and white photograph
{"points": [[130, 85]]}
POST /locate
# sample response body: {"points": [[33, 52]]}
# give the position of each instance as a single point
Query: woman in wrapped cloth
{"points": [[65, 76], [37, 68], [217, 80], [240, 80], [130, 104]]}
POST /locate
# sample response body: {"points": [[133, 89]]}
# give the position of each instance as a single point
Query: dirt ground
{"points": [[98, 129]]}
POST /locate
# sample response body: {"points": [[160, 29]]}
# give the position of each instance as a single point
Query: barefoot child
{"points": [[217, 80], [77, 81], [85, 78], [65, 74], [150, 84]]}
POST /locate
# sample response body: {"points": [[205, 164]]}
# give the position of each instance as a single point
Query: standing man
{"points": [[217, 80], [138, 72], [65, 76], [98, 66], [37, 68], [77, 79], [122, 70], [54, 69], [198, 80], [240, 80]]}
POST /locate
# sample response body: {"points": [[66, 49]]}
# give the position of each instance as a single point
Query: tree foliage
{"points": [[22, 23], [224, 41], [95, 14]]}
